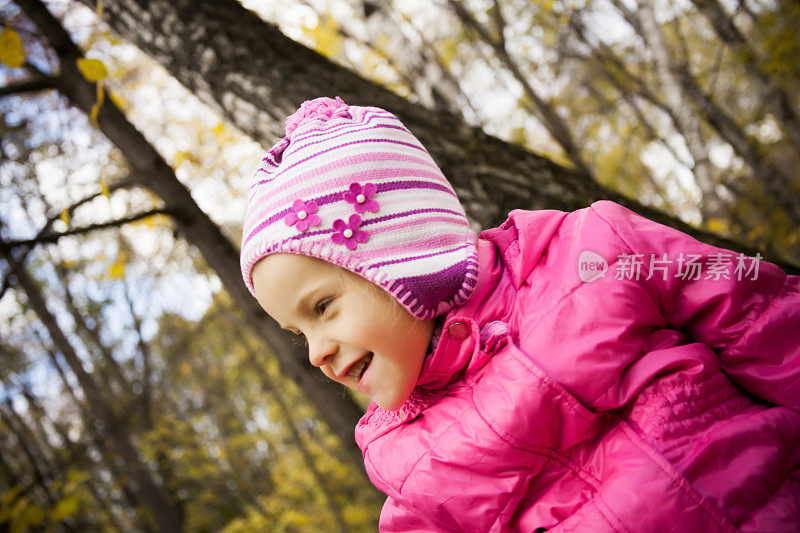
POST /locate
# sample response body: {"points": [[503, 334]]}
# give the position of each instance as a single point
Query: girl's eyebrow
{"points": [[302, 302]]}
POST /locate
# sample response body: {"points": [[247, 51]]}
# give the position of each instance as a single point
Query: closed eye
{"points": [[322, 305]]}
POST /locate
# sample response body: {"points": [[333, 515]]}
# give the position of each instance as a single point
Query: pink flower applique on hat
{"points": [[360, 197], [349, 234], [302, 215]]}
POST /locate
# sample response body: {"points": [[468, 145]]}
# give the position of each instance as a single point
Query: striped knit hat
{"points": [[351, 185]]}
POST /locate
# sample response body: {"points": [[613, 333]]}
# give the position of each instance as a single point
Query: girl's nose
{"points": [[320, 350]]}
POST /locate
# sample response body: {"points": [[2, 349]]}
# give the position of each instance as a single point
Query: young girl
{"points": [[587, 371]]}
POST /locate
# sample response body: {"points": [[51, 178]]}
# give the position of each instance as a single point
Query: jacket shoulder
{"points": [[526, 236]]}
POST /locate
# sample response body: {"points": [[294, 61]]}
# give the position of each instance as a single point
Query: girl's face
{"points": [[356, 333]]}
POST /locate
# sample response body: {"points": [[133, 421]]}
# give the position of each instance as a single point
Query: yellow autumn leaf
{"points": [[93, 116], [150, 222], [326, 37], [92, 69], [119, 101], [219, 130], [104, 188], [547, 5], [181, 156], [77, 477], [11, 51], [117, 270], [65, 217], [101, 96], [717, 225], [65, 507]]}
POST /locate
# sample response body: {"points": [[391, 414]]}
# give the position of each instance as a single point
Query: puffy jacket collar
{"points": [[498, 248], [458, 349], [521, 255], [460, 341]]}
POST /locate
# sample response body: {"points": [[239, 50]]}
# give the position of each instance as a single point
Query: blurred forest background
{"points": [[142, 389]]}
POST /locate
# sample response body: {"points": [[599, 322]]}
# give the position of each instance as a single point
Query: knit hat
{"points": [[352, 186]]}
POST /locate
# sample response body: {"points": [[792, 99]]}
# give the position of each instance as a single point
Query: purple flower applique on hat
{"points": [[360, 197], [302, 215], [349, 234]]}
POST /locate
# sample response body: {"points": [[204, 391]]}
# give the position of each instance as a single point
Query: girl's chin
{"points": [[391, 404]]}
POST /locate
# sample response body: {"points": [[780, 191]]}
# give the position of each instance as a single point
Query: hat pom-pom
{"points": [[323, 108]]}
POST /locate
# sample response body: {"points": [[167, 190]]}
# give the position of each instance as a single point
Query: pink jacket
{"points": [[561, 399]]}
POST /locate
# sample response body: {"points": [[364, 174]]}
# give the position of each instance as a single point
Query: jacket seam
{"points": [[546, 312], [544, 451], [420, 458], [631, 249], [792, 477], [534, 449], [584, 475], [385, 483], [587, 477], [770, 303], [508, 509], [680, 482], [750, 322], [572, 403], [606, 512]]}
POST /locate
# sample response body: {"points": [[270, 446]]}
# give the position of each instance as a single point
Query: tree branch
{"points": [[550, 119], [131, 180], [499, 23], [54, 237], [220, 253], [28, 85], [780, 104]]}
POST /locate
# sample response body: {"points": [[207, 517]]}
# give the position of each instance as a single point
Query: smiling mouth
{"points": [[358, 368]]}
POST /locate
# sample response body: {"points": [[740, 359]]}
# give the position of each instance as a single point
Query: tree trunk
{"points": [[39, 476], [76, 456], [91, 432], [255, 76], [550, 119], [340, 412], [145, 396], [269, 389], [415, 65], [166, 516], [680, 87], [776, 99], [776, 179], [108, 365], [686, 120]]}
